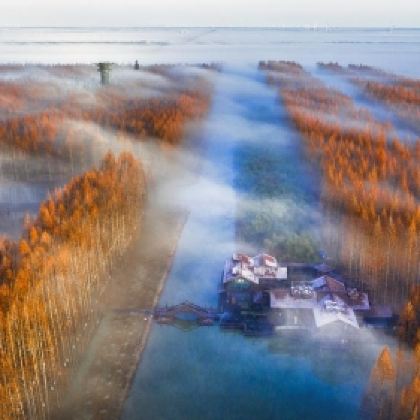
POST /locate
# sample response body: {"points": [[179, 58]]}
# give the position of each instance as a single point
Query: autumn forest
{"points": [[110, 187], [370, 196], [53, 274]]}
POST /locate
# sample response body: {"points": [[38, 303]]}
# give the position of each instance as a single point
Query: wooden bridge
{"points": [[186, 311]]}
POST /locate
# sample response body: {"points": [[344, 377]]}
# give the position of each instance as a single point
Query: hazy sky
{"points": [[209, 12]]}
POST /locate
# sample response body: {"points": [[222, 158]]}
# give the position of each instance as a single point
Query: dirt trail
{"points": [[99, 388]]}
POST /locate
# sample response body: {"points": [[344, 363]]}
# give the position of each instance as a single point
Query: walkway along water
{"points": [[211, 374]]}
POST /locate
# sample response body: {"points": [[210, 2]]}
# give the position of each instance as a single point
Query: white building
{"points": [[255, 270], [334, 310], [326, 297]]}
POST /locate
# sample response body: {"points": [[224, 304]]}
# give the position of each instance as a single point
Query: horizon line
{"points": [[394, 27]]}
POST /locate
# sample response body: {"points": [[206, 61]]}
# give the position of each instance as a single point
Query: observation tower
{"points": [[104, 69]]}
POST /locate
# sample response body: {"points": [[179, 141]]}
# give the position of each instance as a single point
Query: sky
{"points": [[210, 13]]}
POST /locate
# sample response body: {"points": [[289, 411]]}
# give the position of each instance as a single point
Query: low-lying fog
{"points": [[183, 372], [224, 371], [26, 179], [380, 112]]}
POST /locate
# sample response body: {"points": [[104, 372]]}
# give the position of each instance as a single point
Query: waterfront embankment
{"points": [[100, 386]]}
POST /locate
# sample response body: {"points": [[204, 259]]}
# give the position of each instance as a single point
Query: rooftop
{"points": [[262, 266], [333, 309], [282, 299], [329, 284], [328, 298]]}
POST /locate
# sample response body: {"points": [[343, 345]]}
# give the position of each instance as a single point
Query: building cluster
{"points": [[292, 296], [257, 270]]}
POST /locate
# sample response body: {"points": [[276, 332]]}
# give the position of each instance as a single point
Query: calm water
{"points": [[211, 374], [396, 50]]}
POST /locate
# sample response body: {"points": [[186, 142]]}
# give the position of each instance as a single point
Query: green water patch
{"points": [[278, 206]]}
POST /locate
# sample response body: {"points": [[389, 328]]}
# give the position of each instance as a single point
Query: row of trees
{"points": [[354, 70], [371, 182], [33, 124], [374, 181], [52, 277], [400, 94], [393, 392], [33, 133], [396, 93], [283, 67], [22, 97], [332, 67], [163, 118]]}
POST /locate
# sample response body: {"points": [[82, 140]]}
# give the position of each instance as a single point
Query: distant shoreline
{"points": [[309, 27]]}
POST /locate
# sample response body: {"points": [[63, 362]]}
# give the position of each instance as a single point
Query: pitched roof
{"points": [[328, 283], [343, 313], [265, 260], [243, 258], [252, 269], [281, 299], [359, 301], [324, 318]]}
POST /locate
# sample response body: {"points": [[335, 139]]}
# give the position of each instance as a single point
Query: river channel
{"points": [[208, 373]]}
